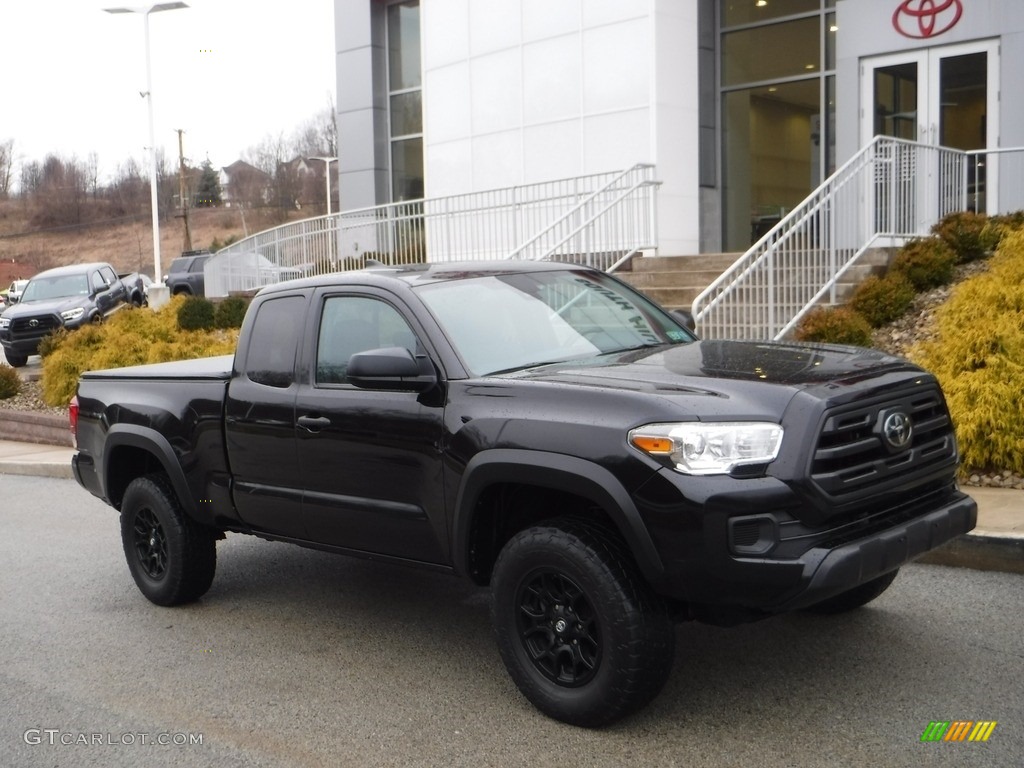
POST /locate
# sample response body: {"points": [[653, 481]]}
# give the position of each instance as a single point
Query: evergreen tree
{"points": [[208, 193]]}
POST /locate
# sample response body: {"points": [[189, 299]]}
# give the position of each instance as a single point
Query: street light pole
{"points": [[148, 95], [327, 176]]}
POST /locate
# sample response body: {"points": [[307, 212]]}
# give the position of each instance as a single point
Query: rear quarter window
{"points": [[270, 356]]}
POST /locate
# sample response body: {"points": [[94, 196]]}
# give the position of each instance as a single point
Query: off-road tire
{"points": [[16, 361], [581, 633], [171, 557], [856, 597]]}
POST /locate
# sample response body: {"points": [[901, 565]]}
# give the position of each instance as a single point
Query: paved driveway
{"points": [[299, 658]]}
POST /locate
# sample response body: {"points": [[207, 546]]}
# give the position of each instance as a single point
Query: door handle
{"points": [[314, 423]]}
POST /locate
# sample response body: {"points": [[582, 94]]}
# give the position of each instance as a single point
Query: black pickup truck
{"points": [[64, 297], [542, 429]]}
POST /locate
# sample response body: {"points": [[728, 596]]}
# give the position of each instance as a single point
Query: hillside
{"points": [[127, 244]]}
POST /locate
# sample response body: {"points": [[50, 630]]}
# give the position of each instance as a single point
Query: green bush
{"points": [[978, 356], [10, 382], [925, 263], [130, 337], [881, 300], [196, 314], [967, 235], [230, 312], [834, 325]]}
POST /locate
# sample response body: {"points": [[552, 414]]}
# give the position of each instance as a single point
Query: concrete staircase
{"points": [[675, 281]]}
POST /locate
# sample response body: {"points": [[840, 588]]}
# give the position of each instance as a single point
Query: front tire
{"points": [[856, 597], [16, 361], [171, 557], [580, 632]]}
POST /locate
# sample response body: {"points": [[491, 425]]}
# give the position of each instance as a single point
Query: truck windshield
{"points": [[503, 323], [58, 287]]}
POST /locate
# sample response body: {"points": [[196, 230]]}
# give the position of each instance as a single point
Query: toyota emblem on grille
{"points": [[897, 430], [33, 323]]}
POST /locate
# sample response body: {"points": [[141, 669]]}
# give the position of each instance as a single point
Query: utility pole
{"points": [[187, 244]]}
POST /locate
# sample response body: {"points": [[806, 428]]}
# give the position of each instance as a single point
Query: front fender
{"points": [[558, 472]]}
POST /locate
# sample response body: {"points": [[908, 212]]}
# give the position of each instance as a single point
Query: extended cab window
{"points": [[97, 281], [351, 324], [270, 358]]}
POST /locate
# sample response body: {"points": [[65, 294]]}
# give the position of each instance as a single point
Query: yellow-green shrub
{"points": [[130, 337], [926, 263], [881, 300], [10, 382], [978, 356], [834, 325]]}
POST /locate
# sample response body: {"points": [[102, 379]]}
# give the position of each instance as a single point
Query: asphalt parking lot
{"points": [[300, 658]]}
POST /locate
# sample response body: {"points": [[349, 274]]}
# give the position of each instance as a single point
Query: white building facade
{"points": [[744, 106]]}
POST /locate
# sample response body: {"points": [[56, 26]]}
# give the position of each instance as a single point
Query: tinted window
{"points": [[352, 324], [270, 357], [197, 265]]}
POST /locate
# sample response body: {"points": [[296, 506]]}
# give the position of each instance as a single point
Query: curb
{"points": [[980, 551], [37, 469]]}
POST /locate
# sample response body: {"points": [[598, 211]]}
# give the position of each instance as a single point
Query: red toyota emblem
{"points": [[926, 18]]}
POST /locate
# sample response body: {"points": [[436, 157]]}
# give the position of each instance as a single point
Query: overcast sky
{"points": [[228, 72]]}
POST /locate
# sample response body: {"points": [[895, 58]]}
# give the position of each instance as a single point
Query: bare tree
{"points": [[318, 136], [6, 167]]}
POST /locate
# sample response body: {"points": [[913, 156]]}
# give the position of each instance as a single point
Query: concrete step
{"points": [[703, 261]]}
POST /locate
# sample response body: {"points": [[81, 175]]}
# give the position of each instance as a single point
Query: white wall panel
{"points": [[616, 71], [494, 25], [444, 32], [552, 151], [550, 18], [496, 91], [552, 79], [446, 103]]}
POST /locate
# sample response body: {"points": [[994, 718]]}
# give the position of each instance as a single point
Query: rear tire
{"points": [[171, 557], [856, 597], [580, 632]]}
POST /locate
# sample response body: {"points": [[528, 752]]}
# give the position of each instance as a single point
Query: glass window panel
{"points": [[406, 113], [771, 147], [404, 66], [830, 41], [770, 52], [896, 101], [275, 337], [752, 11], [407, 169], [963, 100]]}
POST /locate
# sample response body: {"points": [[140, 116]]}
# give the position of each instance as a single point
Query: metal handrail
{"points": [[605, 219], [891, 191]]}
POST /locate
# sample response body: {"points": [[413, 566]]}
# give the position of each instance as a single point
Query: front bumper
{"points": [[829, 572], [736, 550]]}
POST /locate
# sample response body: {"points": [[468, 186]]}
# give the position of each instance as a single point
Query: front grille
{"points": [[39, 325], [854, 459]]}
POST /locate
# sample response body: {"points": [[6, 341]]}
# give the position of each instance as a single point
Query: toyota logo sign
{"points": [[897, 430], [922, 19], [33, 323]]}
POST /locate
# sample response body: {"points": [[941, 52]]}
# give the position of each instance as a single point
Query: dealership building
{"points": [[743, 106]]}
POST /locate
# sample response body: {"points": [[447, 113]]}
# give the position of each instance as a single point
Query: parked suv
{"points": [[186, 274]]}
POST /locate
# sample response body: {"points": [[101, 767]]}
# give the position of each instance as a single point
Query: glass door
{"points": [[941, 97]]}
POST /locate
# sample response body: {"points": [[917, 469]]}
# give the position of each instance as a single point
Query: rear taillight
{"points": [[73, 418]]}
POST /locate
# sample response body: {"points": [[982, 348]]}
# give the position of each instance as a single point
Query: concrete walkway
{"points": [[996, 544]]}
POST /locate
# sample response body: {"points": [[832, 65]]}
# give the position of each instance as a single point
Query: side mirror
{"points": [[685, 318], [392, 368]]}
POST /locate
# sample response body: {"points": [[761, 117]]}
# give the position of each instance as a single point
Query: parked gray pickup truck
{"points": [[64, 297]]}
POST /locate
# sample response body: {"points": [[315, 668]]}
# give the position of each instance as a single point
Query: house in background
{"points": [[244, 184]]}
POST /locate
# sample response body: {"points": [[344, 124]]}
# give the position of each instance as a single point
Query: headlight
{"points": [[5, 322], [70, 315], [709, 449]]}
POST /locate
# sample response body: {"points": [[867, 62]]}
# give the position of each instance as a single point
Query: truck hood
{"points": [[43, 306], [734, 373]]}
